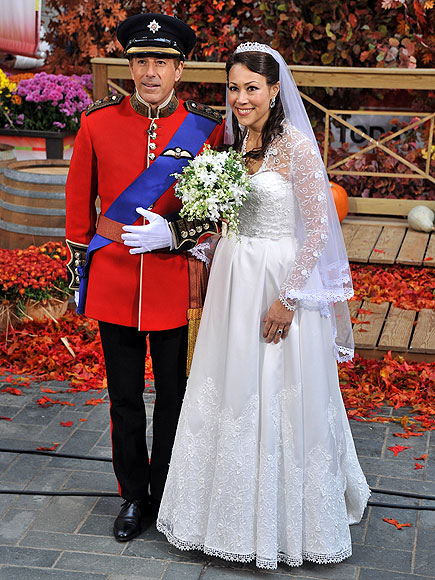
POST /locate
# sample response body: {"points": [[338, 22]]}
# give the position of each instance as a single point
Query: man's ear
{"points": [[178, 71], [130, 66]]}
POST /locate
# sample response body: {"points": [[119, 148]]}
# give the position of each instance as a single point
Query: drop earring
{"points": [[272, 102]]}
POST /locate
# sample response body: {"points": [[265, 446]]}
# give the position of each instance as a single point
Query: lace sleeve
{"points": [[307, 176]]}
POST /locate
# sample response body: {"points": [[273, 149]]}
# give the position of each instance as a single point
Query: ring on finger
{"points": [[279, 331]]}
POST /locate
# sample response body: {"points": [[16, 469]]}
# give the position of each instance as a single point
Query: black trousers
{"points": [[124, 352]]}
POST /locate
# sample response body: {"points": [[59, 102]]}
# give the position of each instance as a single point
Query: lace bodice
{"points": [[290, 180], [269, 211]]}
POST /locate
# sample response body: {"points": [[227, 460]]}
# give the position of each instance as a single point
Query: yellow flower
{"points": [[5, 83]]}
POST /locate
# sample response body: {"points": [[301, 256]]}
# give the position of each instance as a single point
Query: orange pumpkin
{"points": [[340, 199]]}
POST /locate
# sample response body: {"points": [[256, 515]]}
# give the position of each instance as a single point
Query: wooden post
{"points": [[99, 71]]}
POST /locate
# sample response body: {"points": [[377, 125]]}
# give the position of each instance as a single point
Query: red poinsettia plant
{"points": [[37, 273]]}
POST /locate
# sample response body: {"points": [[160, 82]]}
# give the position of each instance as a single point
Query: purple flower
{"points": [[59, 99]]}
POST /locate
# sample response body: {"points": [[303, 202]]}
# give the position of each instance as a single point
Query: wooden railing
{"points": [[107, 71]]}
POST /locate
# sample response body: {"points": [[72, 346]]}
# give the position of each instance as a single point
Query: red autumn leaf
{"points": [[53, 448], [47, 402], [418, 466], [427, 259], [407, 435], [421, 458], [6, 418], [94, 401], [66, 423], [364, 311], [356, 321], [398, 449], [47, 390], [405, 287], [83, 420], [379, 251], [12, 391], [34, 352], [396, 523]]}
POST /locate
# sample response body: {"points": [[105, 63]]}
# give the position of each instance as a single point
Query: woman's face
{"points": [[249, 96]]}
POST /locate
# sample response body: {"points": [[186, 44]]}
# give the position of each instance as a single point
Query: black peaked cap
{"points": [[156, 34]]}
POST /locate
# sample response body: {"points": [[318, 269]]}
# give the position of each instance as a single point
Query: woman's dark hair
{"points": [[264, 64]]}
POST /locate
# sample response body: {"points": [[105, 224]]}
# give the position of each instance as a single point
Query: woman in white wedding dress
{"points": [[264, 467]]}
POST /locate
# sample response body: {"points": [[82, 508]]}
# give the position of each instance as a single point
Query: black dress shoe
{"points": [[127, 525]]}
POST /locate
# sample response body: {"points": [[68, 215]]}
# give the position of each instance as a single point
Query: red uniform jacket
{"points": [[114, 145]]}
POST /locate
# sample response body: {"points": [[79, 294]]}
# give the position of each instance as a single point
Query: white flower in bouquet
{"points": [[213, 186]]}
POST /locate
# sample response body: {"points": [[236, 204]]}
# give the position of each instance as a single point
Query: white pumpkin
{"points": [[421, 218]]}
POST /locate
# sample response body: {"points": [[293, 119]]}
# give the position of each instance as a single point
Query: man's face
{"points": [[155, 77]]}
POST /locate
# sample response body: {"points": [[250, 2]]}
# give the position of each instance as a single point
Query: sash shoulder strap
{"points": [[204, 111]]}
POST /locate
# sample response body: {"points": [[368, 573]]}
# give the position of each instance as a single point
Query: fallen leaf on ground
{"points": [[12, 391], [66, 423], [47, 390], [94, 401], [396, 523], [418, 466], [47, 402], [53, 448], [398, 449], [407, 435]]}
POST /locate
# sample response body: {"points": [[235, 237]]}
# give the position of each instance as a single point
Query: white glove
{"points": [[76, 297], [152, 236]]}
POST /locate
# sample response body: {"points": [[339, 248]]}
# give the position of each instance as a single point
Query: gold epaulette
{"points": [[105, 102], [204, 110]]}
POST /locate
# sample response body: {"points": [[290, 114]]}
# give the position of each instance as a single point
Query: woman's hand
{"points": [[277, 318]]}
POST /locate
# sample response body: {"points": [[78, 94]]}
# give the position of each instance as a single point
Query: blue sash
{"points": [[151, 184]]}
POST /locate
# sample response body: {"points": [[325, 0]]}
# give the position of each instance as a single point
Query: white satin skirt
{"points": [[264, 466]]}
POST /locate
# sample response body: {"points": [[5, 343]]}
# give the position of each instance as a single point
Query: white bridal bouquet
{"points": [[213, 186]]}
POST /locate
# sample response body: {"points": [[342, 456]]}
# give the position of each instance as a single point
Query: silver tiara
{"points": [[253, 47]]}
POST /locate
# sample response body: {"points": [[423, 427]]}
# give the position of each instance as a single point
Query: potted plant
{"points": [[44, 106], [33, 283]]}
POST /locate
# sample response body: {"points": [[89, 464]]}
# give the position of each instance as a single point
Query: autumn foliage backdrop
{"points": [[385, 33]]}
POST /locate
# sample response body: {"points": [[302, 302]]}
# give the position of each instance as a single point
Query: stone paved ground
{"points": [[70, 538]]}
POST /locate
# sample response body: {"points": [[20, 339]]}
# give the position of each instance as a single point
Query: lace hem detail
{"points": [[344, 358], [324, 297], [266, 564], [200, 252], [287, 304]]}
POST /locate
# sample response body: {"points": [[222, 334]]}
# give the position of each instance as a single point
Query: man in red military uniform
{"points": [[131, 263]]}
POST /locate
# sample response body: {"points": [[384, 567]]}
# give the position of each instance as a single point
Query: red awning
{"points": [[20, 21]]}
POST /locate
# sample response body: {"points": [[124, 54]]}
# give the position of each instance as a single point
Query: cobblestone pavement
{"points": [[70, 538]]}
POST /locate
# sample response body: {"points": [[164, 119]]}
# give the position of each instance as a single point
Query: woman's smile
{"points": [[249, 96]]}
